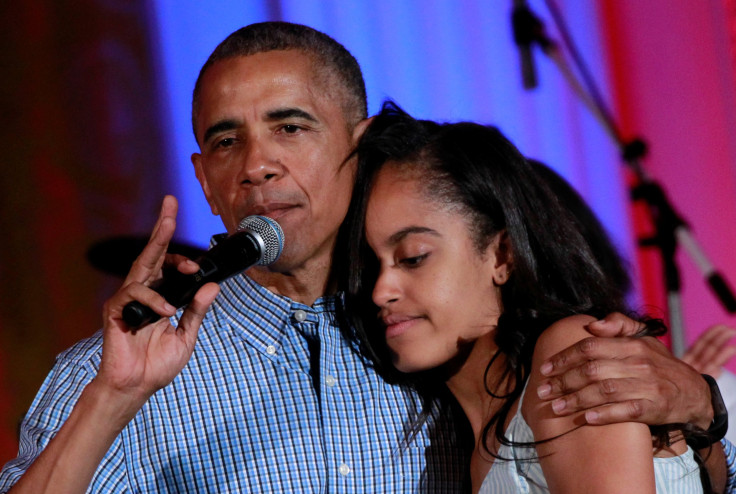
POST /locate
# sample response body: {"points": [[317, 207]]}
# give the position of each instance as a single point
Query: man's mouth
{"points": [[273, 210]]}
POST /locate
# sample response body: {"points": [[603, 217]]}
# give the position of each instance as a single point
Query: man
{"points": [[256, 390]]}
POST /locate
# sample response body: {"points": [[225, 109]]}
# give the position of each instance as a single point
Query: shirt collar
{"points": [[246, 305]]}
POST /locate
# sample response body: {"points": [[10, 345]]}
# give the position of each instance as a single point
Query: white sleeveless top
{"points": [[673, 475]]}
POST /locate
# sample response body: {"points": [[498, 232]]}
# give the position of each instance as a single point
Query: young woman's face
{"points": [[436, 292]]}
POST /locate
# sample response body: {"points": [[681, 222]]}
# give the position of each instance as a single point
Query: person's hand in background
{"points": [[711, 350]]}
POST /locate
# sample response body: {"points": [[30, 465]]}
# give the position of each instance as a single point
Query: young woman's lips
{"points": [[398, 326]]}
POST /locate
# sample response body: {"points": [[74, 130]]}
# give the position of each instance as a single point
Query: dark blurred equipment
{"points": [[528, 30], [672, 231], [115, 255]]}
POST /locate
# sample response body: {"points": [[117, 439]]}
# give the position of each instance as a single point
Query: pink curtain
{"points": [[672, 67]]}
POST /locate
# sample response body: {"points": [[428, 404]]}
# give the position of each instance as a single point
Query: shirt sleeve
{"points": [[730, 451], [73, 370]]}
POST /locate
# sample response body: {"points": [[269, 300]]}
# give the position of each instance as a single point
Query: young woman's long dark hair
{"points": [[473, 167], [554, 274]]}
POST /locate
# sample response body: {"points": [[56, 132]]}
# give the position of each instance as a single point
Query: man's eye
{"points": [[226, 142], [290, 129]]}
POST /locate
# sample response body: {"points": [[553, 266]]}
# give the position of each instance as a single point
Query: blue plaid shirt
{"points": [[730, 451], [272, 400]]}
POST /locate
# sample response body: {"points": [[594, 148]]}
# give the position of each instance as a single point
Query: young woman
{"points": [[477, 274]]}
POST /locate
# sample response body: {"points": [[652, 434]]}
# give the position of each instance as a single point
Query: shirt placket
{"points": [[341, 465]]}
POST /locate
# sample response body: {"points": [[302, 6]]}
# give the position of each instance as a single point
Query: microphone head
{"points": [[268, 233]]}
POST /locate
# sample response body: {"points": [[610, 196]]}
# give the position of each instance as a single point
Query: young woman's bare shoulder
{"points": [[560, 335], [567, 441], [538, 412]]}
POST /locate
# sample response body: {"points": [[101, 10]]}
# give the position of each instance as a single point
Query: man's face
{"points": [[273, 141]]}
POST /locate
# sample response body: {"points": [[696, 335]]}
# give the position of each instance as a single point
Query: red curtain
{"points": [[81, 161]]}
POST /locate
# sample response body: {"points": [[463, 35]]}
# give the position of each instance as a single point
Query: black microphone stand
{"points": [[671, 230]]}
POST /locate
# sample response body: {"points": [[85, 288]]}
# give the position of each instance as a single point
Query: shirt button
{"points": [[270, 349], [300, 315], [344, 469], [330, 380]]}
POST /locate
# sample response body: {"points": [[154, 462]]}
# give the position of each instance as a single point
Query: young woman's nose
{"points": [[387, 288]]}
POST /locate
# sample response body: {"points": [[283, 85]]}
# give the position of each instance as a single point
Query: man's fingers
{"points": [[642, 411], [113, 307], [593, 371], [610, 327], [169, 208], [570, 381], [163, 226], [584, 351], [570, 357], [595, 348], [615, 325], [608, 391], [181, 263], [151, 259], [194, 313]]}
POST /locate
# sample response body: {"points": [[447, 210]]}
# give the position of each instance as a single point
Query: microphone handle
{"points": [[228, 258], [178, 290]]}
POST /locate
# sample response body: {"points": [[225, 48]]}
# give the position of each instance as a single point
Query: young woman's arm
{"points": [[584, 459]]}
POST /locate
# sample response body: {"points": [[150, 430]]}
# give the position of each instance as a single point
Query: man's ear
{"points": [[360, 129], [503, 256], [199, 172]]}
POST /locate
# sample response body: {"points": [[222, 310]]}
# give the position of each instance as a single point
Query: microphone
{"points": [[259, 240], [526, 29]]}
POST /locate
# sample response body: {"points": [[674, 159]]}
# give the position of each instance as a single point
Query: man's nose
{"points": [[260, 164]]}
